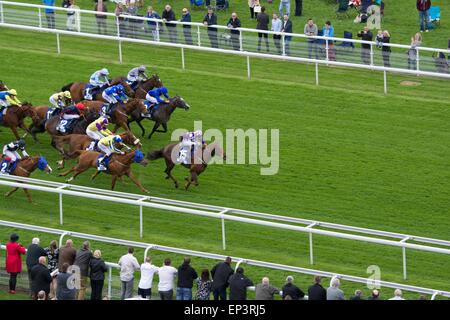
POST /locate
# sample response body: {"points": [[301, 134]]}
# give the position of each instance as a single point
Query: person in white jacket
{"points": [[148, 270], [128, 266]]}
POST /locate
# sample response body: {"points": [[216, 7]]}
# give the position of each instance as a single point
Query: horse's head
{"points": [[28, 111], [139, 157], [153, 82], [127, 88], [129, 138], [213, 150], [43, 165], [179, 102]]}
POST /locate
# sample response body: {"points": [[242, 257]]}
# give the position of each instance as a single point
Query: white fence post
{"points": [[78, 19], [417, 60], [60, 209], [157, 31], [120, 42], [199, 36], [2, 18], [224, 242], [283, 42], [62, 237], [40, 17], [371, 54], [182, 58], [248, 67], [241, 48], [58, 45], [385, 81], [311, 253], [317, 74], [109, 282], [404, 257], [327, 57]]}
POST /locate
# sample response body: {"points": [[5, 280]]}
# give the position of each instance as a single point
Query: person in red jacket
{"points": [[423, 6], [14, 251]]}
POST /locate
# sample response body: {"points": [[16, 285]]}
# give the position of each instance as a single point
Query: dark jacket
{"points": [[386, 48], [40, 278], [317, 292], [265, 292], [238, 286], [62, 290], [220, 274], [66, 255], [263, 21], [34, 251], [356, 298], [186, 18], [211, 21], [105, 9], [293, 291], [186, 276], [423, 5], [169, 16], [287, 28], [367, 37], [236, 23], [97, 269], [82, 260]]}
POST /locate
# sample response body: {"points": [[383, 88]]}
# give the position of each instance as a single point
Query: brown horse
{"points": [[119, 165], [170, 152], [15, 116], [25, 167], [81, 142], [144, 86], [87, 116], [77, 91]]}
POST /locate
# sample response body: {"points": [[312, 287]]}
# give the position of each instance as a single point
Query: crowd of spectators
{"points": [[65, 273]]}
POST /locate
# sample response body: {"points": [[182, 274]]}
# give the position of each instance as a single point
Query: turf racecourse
{"points": [[347, 155]]}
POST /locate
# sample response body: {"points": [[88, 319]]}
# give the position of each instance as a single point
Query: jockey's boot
{"points": [[88, 94]]}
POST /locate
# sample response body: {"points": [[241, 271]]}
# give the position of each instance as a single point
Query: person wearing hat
{"points": [[68, 114], [9, 98], [61, 99], [135, 75], [109, 145], [99, 128], [14, 252], [11, 154], [98, 80]]}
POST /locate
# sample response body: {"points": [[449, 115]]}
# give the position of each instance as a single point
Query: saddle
{"points": [[66, 126], [107, 109], [7, 168], [93, 146], [93, 91], [2, 113], [52, 112], [151, 108]]}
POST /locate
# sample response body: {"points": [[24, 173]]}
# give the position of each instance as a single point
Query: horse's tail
{"points": [[153, 155], [67, 87]]}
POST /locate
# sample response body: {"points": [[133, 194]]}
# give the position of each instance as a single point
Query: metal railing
{"points": [[230, 214], [257, 263], [319, 50]]}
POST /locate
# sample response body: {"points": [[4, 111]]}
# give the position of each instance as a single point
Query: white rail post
{"points": [[248, 67], [40, 17], [118, 36], [182, 58], [311, 254], [199, 36], [404, 257], [371, 54], [240, 41], [58, 45], [326, 51], [146, 251], [62, 237], [317, 74], [109, 282], [78, 19], [224, 242], [157, 31], [385, 81], [2, 18], [238, 264], [283, 42], [433, 297], [61, 206], [141, 217]]}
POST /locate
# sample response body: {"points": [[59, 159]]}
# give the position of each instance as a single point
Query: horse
{"points": [[119, 165], [25, 167], [161, 115], [15, 115], [78, 128], [195, 168], [3, 86], [81, 142], [77, 91], [143, 86]]}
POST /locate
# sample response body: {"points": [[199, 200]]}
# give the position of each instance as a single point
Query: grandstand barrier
{"points": [[132, 29], [257, 263], [230, 214]]}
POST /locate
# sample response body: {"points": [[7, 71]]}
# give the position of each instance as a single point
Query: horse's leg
{"points": [[28, 195], [95, 175], [14, 130], [164, 124], [169, 166], [116, 128], [113, 182], [63, 174], [141, 126], [156, 126], [136, 181], [11, 192]]}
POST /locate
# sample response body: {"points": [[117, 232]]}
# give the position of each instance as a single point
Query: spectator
{"points": [[416, 42], [357, 296], [209, 20], [152, 24], [287, 28], [145, 284], [311, 30], [67, 254], [97, 274], [328, 31], [333, 292], [316, 291], [52, 258], [186, 17], [291, 290], [169, 15], [65, 288], [251, 5], [167, 275], [276, 27], [264, 291], [82, 261], [71, 24], [285, 6], [397, 295], [65, 3], [41, 295], [375, 295], [34, 251], [257, 8], [13, 266], [49, 13], [118, 11], [238, 285], [220, 274], [263, 24], [100, 7], [298, 7], [423, 6], [204, 286], [128, 265], [365, 35], [132, 8], [386, 50], [233, 24], [40, 278], [186, 277]]}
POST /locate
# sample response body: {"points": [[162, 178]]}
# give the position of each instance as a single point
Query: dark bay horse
{"points": [[81, 142], [170, 152], [15, 116], [77, 91], [119, 165], [144, 86], [78, 128], [161, 115], [25, 167]]}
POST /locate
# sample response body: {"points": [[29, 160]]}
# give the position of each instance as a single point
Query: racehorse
{"points": [[39, 126], [81, 142], [144, 86], [79, 127], [161, 115], [195, 167], [25, 167], [77, 91], [15, 115], [119, 165], [3, 86]]}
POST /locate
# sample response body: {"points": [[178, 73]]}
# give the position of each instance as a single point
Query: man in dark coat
{"points": [[220, 273], [40, 278], [287, 28], [423, 7], [263, 24], [82, 260], [34, 251], [186, 17], [290, 289], [366, 35], [210, 20], [67, 254], [233, 24], [238, 285], [316, 291], [169, 15], [298, 7], [186, 277]]}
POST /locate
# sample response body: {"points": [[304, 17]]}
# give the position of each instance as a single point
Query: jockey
{"points": [[136, 74], [61, 99], [98, 129], [9, 98], [190, 141], [109, 145], [11, 155], [72, 112], [98, 79], [115, 94], [154, 96]]}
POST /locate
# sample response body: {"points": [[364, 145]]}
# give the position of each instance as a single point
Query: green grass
{"points": [[347, 155]]}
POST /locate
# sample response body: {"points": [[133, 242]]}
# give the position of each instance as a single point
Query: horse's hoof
{"points": [[145, 191], [176, 185]]}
